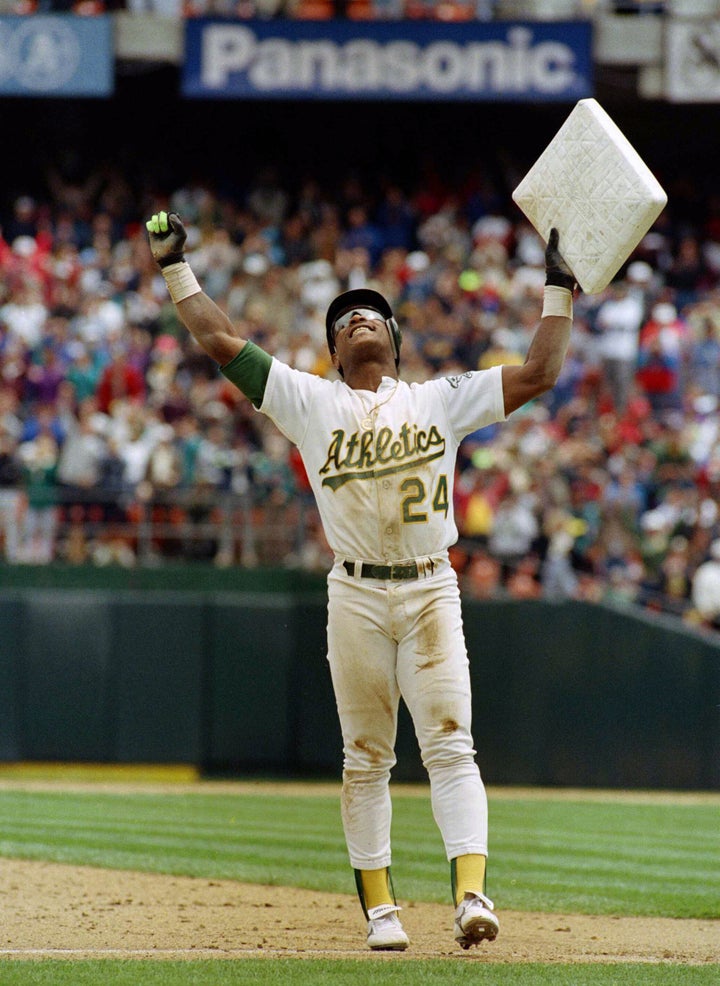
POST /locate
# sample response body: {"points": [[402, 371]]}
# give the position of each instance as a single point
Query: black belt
{"points": [[393, 572]]}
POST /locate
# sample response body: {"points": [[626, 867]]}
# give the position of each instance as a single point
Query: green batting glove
{"points": [[556, 270], [167, 237]]}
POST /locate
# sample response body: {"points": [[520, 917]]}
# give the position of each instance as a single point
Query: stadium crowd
{"points": [[359, 10], [113, 422], [445, 10]]}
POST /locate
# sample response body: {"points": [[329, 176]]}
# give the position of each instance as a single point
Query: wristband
{"points": [[180, 280], [557, 301]]}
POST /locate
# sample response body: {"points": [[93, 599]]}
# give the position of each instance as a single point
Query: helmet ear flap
{"points": [[395, 337], [333, 350]]}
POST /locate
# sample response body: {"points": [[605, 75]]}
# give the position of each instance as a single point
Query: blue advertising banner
{"points": [[56, 55], [547, 61]]}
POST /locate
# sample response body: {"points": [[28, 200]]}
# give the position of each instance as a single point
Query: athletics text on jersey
{"points": [[381, 465]]}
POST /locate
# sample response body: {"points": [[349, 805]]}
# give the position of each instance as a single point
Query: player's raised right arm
{"points": [[205, 320]]}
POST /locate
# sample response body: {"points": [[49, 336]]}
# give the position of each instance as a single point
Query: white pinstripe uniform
{"points": [[381, 466]]}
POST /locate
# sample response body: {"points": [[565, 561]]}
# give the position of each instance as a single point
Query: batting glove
{"points": [[557, 271], [167, 237]]}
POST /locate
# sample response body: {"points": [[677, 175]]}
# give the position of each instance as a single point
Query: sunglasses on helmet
{"points": [[368, 314]]}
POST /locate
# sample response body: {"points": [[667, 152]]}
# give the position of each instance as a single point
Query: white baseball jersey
{"points": [[381, 465]]}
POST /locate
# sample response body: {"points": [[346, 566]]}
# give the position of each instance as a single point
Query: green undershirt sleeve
{"points": [[249, 371]]}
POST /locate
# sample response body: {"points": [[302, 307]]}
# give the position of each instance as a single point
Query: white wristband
{"points": [[181, 281], [557, 301]]}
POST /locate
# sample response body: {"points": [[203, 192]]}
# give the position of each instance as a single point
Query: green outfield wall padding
{"points": [[64, 677], [196, 577], [156, 683], [237, 682], [11, 661], [315, 731], [581, 694], [251, 648]]}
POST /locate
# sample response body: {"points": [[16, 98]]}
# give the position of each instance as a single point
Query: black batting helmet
{"points": [[362, 298]]}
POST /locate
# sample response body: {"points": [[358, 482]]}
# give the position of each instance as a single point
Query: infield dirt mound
{"points": [[80, 911]]}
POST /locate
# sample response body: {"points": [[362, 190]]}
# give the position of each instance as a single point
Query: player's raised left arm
{"points": [[205, 320], [541, 369]]}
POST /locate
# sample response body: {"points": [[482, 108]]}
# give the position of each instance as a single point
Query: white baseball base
{"points": [[591, 184]]}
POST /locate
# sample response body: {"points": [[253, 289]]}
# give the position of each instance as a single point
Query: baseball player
{"points": [[380, 455]]}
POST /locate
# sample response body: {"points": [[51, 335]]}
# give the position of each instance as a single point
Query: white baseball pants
{"points": [[393, 639]]}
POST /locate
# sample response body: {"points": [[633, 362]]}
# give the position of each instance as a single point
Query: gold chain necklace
{"points": [[367, 422]]}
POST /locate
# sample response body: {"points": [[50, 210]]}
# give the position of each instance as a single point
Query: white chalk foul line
{"points": [[165, 952]]}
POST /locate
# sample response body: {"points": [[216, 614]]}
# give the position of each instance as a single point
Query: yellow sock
{"points": [[375, 888], [469, 874]]}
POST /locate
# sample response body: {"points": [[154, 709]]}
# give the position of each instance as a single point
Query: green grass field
{"points": [[291, 972], [551, 852]]}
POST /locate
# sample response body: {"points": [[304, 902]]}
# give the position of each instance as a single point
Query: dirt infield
{"points": [[59, 911], [63, 911]]}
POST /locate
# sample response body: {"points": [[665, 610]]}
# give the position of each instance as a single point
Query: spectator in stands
{"points": [[119, 381], [83, 370], [24, 314], [704, 358], [361, 232], [80, 458], [706, 588], [619, 320], [557, 575], [514, 530], [663, 344], [44, 375], [39, 458], [482, 575], [12, 500], [687, 273], [24, 219]]}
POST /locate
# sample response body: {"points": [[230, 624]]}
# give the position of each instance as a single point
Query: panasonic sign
{"points": [[385, 61]]}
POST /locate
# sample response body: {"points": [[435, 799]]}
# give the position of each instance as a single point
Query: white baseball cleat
{"points": [[475, 921], [385, 933]]}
